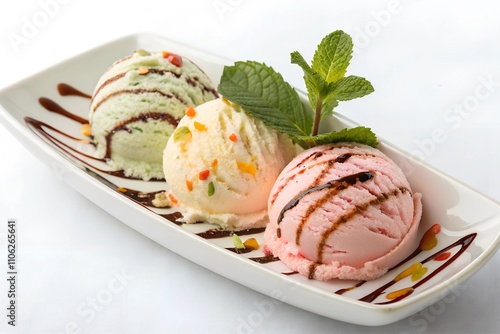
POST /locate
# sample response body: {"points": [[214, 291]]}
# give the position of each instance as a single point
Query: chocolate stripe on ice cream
{"points": [[123, 126], [139, 91], [335, 185], [314, 156], [356, 211], [108, 81]]}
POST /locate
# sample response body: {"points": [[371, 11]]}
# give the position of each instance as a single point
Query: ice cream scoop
{"points": [[342, 211], [136, 105], [221, 164]]}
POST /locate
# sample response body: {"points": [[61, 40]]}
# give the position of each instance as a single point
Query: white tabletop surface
{"points": [[435, 66]]}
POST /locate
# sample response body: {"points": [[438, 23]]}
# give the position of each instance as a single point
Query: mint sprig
{"points": [[262, 92]]}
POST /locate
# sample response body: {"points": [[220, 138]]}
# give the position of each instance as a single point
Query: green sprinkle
{"points": [[182, 133], [211, 189], [238, 244]]}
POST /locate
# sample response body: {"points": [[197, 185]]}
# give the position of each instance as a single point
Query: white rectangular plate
{"points": [[463, 214]]}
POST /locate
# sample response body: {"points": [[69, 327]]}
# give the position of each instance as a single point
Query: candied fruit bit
{"points": [[238, 244], [173, 200], [408, 271], [200, 126], [182, 133], [226, 101], [189, 185], [175, 59], [203, 175], [211, 189], [232, 137], [399, 293], [443, 256], [419, 273], [85, 130], [190, 112], [214, 163], [143, 70], [429, 240], [121, 189], [251, 244], [246, 167]]}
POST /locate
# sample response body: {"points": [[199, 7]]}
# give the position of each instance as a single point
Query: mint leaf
{"points": [[350, 87], [360, 134], [333, 56], [263, 93]]}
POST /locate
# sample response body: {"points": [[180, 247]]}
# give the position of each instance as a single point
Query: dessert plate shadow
{"points": [[51, 129]]}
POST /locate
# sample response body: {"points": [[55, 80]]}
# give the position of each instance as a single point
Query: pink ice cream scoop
{"points": [[342, 211]]}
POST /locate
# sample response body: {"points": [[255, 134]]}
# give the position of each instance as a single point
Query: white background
{"points": [[435, 66]]}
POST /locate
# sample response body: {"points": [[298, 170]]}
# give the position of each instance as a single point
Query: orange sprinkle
{"points": [[214, 163], [143, 70], [429, 240], [190, 112], [200, 126], [399, 293], [172, 199], [442, 256], [251, 244], [204, 174], [85, 130], [189, 185], [247, 168], [233, 137]]}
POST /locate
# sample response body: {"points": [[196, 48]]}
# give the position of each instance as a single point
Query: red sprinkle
{"points": [[176, 60], [204, 174]]}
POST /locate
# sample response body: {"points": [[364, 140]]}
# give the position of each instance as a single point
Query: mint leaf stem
{"points": [[317, 117]]}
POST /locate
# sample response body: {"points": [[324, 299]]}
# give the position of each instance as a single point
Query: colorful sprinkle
{"points": [[238, 244], [443, 256], [419, 273], [246, 167], [408, 271], [86, 130], [214, 163], [182, 133], [251, 244], [175, 59], [189, 185], [211, 189], [429, 240], [200, 126], [399, 293], [190, 112], [232, 137], [203, 175]]}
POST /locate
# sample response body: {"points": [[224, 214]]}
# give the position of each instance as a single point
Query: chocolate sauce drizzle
{"points": [[145, 198]]}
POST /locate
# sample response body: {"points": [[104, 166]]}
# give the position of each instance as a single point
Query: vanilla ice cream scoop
{"points": [[342, 211], [136, 105], [221, 164]]}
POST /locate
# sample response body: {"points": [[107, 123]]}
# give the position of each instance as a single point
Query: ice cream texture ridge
{"points": [[221, 164], [136, 105], [343, 211]]}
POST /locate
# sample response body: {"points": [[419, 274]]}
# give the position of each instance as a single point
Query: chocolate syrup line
{"points": [[337, 184], [218, 233], [464, 242], [67, 90], [52, 106]]}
